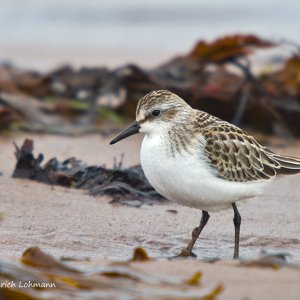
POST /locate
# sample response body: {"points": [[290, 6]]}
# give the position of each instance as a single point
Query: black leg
{"points": [[195, 234], [237, 224]]}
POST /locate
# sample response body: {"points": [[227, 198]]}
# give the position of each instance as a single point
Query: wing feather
{"points": [[237, 156]]}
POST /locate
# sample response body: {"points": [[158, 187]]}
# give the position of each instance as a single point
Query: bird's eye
{"points": [[155, 112]]}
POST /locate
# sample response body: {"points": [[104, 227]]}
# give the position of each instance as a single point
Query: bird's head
{"points": [[157, 112]]}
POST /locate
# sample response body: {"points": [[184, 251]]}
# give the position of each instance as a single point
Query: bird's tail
{"points": [[289, 165]]}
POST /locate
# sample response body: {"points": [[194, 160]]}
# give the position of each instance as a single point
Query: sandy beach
{"points": [[69, 223], [73, 64]]}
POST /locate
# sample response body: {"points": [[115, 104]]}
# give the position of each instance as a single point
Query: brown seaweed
{"points": [[41, 276], [125, 185], [269, 260], [70, 101]]}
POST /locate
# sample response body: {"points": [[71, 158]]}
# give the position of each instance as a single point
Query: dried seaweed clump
{"points": [[125, 185]]}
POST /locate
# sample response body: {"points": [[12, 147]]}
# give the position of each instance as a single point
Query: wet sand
{"points": [[68, 222]]}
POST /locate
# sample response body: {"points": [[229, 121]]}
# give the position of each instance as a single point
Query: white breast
{"points": [[188, 179]]}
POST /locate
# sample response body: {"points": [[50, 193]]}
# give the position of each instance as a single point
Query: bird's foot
{"points": [[185, 253], [236, 256]]}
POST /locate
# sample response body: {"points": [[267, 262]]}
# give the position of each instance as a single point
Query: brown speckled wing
{"points": [[236, 156]]}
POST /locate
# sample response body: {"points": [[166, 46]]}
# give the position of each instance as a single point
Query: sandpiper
{"points": [[201, 161]]}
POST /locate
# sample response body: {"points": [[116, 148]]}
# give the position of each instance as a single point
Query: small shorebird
{"points": [[201, 161]]}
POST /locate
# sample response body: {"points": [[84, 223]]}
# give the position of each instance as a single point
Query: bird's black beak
{"points": [[132, 129]]}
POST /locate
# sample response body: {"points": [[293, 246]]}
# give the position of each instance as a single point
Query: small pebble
{"points": [[172, 211]]}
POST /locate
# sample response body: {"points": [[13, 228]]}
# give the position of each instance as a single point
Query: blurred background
{"points": [[89, 61], [42, 34], [71, 74]]}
